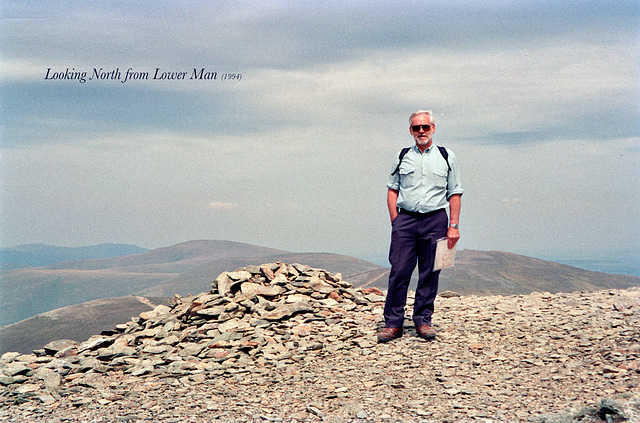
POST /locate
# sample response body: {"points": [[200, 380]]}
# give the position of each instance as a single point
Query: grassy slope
{"points": [[77, 322]]}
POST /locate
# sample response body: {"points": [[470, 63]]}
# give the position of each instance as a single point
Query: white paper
{"points": [[445, 257]]}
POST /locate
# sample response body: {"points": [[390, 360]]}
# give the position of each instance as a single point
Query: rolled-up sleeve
{"points": [[394, 180]]}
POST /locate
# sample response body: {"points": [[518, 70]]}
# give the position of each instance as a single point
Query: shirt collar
{"points": [[417, 150]]}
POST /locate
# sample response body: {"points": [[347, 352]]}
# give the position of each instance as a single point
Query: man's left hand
{"points": [[453, 235]]}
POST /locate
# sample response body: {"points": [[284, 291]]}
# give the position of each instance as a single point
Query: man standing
{"points": [[424, 181]]}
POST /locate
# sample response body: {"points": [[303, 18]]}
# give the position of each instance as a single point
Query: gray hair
{"points": [[422, 112]]}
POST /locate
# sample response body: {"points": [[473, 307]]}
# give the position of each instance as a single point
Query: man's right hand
{"points": [[393, 216]]}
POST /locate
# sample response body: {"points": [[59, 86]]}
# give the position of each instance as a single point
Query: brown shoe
{"points": [[426, 332], [389, 334]]}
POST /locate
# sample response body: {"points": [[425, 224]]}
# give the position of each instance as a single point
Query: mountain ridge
{"points": [[37, 255], [25, 292], [188, 268]]}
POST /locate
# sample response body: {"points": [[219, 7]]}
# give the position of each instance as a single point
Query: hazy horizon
{"points": [[291, 145], [624, 262]]}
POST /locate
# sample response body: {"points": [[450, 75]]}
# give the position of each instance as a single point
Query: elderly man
{"points": [[423, 183]]}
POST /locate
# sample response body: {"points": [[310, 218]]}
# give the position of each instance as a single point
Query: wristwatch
{"points": [[455, 225]]}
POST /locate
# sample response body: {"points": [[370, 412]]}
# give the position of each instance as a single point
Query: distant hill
{"points": [[622, 263], [186, 268], [494, 272], [190, 267], [36, 255], [30, 291]]}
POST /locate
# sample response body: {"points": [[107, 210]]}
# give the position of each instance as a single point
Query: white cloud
{"points": [[499, 95], [21, 69]]}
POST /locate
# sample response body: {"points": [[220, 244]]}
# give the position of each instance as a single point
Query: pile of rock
{"points": [[257, 314]]}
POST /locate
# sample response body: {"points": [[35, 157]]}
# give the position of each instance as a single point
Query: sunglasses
{"points": [[425, 128]]}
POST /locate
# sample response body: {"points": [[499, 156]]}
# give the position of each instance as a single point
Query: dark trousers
{"points": [[413, 238]]}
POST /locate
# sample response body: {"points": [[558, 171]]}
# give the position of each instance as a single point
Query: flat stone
{"points": [[53, 347], [95, 343], [86, 364], [157, 311], [288, 310], [225, 284], [319, 285], [9, 357], [46, 399], [52, 380], [240, 275], [279, 279], [15, 370], [26, 388], [374, 298], [212, 312], [262, 290], [7, 380]]}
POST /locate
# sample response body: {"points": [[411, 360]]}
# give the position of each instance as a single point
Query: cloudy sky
{"points": [[538, 99]]}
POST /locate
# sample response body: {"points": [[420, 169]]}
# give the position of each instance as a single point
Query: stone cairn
{"points": [[248, 316]]}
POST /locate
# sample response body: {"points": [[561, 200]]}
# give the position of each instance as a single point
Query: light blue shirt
{"points": [[424, 182]]}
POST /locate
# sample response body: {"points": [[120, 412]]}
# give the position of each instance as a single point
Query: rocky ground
{"points": [[287, 343]]}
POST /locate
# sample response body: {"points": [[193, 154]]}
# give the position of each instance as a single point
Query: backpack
{"points": [[405, 150]]}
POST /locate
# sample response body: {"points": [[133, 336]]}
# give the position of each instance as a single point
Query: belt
{"points": [[418, 214]]}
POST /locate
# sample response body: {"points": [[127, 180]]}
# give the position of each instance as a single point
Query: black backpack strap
{"points": [[403, 152], [445, 154]]}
